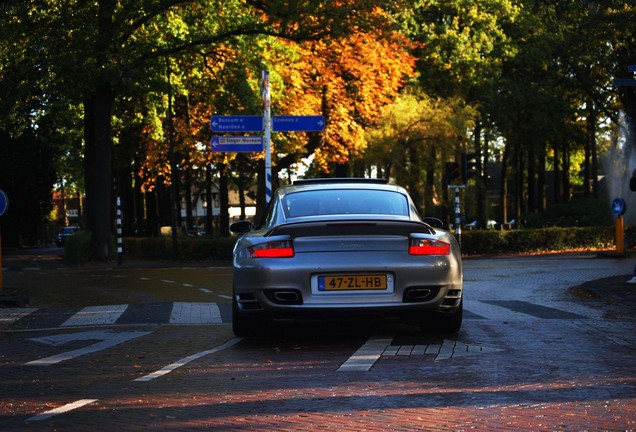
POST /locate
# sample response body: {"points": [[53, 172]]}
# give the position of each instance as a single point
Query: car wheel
{"points": [[243, 326], [444, 322]]}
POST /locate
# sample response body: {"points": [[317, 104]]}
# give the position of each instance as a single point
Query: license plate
{"points": [[352, 282]]}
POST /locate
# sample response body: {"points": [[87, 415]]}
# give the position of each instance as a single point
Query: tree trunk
{"points": [[594, 155], [241, 193], [541, 179], [503, 198], [429, 184], [98, 108], [566, 173], [519, 182], [152, 211], [589, 142], [139, 199], [209, 208], [187, 173], [224, 217], [557, 175], [260, 192], [413, 175], [531, 205]]}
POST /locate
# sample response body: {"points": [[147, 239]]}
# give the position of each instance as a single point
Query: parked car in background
{"points": [[343, 248], [66, 232]]}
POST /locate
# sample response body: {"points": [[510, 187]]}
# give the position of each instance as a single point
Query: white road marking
{"points": [[195, 313], [184, 361], [205, 290], [96, 315], [187, 285], [367, 354], [106, 338], [493, 312], [61, 410], [167, 281], [463, 349], [225, 296], [448, 349], [8, 316]]}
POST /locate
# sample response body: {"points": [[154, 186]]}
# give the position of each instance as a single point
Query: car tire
{"points": [[243, 326], [444, 322]]}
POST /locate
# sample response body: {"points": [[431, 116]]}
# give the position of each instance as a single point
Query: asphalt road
{"points": [[145, 348]]}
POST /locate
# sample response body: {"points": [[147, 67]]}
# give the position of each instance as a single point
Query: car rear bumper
{"points": [[287, 287]]}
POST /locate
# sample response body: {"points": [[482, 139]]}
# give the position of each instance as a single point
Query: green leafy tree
{"points": [[462, 46], [416, 135], [87, 49]]}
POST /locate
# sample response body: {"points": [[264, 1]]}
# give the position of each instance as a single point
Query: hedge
{"points": [[537, 240], [473, 243], [194, 249]]}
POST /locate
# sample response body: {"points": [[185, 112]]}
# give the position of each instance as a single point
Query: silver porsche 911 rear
{"points": [[342, 248]]}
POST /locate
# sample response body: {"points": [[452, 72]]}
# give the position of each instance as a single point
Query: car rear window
{"points": [[344, 201]]}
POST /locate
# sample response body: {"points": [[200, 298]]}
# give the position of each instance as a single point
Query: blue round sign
{"points": [[618, 207], [4, 202]]}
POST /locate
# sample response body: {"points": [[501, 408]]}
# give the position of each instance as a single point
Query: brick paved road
{"points": [[529, 357]]}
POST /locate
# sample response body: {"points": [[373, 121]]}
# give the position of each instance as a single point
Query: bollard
{"points": [[120, 249], [620, 235]]}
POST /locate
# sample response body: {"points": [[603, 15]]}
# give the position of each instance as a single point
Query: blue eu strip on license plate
{"points": [[352, 282]]}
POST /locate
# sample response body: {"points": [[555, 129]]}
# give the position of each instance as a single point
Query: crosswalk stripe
{"points": [[195, 313], [184, 313], [494, 312], [9, 316], [96, 315]]}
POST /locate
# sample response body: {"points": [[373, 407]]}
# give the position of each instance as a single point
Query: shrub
{"points": [[580, 212], [189, 248], [77, 248], [536, 240]]}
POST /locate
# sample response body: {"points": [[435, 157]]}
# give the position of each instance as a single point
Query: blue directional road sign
{"points": [[298, 123], [624, 82], [236, 123], [4, 202], [232, 144], [618, 207]]}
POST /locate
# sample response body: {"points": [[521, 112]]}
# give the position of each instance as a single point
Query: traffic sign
{"points": [[624, 82], [236, 123], [236, 144], [4, 202], [314, 123], [618, 207]]}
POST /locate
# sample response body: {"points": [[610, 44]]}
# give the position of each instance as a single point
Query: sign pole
{"points": [[120, 244], [268, 136], [4, 204], [458, 220], [0, 258]]}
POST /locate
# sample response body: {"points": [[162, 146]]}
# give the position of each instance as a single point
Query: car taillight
{"points": [[277, 249], [428, 247]]}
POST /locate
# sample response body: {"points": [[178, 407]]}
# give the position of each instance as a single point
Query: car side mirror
{"points": [[241, 227]]}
